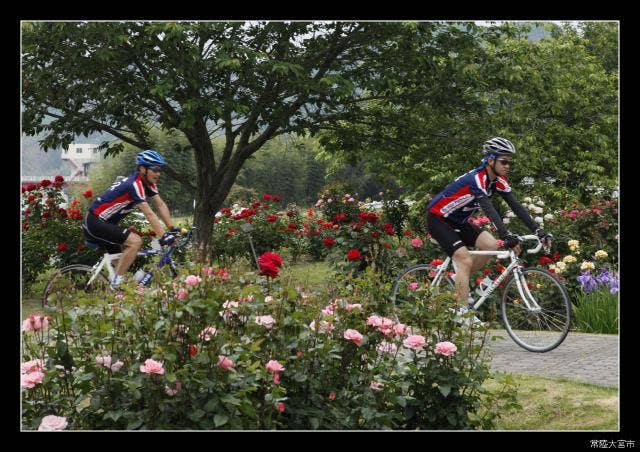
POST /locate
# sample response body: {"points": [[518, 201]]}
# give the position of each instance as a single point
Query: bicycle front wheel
{"points": [[407, 288], [538, 329], [71, 285]]}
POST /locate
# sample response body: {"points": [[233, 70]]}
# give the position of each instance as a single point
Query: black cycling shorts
{"points": [[107, 235], [446, 235]]}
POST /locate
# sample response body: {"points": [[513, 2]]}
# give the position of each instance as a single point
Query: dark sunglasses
{"points": [[505, 162], [155, 169]]}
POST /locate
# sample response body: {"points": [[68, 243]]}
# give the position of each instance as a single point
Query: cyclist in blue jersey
{"points": [[449, 211], [100, 225]]}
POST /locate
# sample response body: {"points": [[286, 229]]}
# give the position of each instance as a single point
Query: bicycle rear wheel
{"points": [[408, 287], [71, 285], [537, 330]]}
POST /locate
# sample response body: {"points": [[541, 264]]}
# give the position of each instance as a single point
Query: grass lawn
{"points": [[560, 404]]}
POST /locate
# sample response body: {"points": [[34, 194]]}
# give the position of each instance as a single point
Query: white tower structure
{"points": [[80, 157]]}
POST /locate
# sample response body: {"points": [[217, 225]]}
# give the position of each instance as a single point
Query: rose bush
{"points": [[231, 350]]}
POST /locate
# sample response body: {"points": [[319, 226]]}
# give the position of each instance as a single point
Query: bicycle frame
{"points": [[107, 259], [514, 267]]}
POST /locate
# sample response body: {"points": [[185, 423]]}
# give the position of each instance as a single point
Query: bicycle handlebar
{"points": [[524, 238]]}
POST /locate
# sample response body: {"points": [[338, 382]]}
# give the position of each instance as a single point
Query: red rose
{"points": [[45, 214], [292, 225], [290, 213], [275, 198], [436, 262], [59, 179], [32, 187], [329, 241], [31, 198], [255, 204], [544, 260], [266, 197], [45, 183], [62, 246], [272, 218], [339, 217], [193, 350], [408, 232], [270, 264], [57, 184], [353, 255], [88, 193]]}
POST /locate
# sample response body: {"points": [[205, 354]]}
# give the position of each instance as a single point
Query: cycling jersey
{"points": [[460, 199], [120, 199]]}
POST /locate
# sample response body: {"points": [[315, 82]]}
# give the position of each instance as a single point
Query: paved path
{"points": [[589, 358]]}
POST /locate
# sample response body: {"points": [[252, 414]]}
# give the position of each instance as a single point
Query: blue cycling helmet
{"points": [[150, 158]]}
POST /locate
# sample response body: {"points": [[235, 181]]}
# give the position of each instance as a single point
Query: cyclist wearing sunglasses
{"points": [[100, 226], [449, 211]]}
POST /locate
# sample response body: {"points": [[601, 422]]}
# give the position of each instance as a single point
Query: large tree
{"points": [[248, 81]]}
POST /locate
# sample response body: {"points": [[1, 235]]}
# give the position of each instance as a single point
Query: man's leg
{"points": [[484, 242], [464, 262], [131, 247]]}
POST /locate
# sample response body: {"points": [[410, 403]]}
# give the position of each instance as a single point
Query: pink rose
{"points": [[332, 395], [387, 347], [413, 286], [225, 363], [31, 379], [376, 386], [182, 294], [171, 392], [414, 341], [446, 348], [193, 280], [351, 307], [274, 366], [325, 327], [265, 320], [416, 243], [374, 320], [268, 299], [280, 407], [354, 336], [35, 365], [52, 423], [207, 271], [207, 333], [35, 323], [152, 367], [116, 366], [400, 329]]}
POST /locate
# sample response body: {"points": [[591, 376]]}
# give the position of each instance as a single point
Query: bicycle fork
{"points": [[525, 293]]}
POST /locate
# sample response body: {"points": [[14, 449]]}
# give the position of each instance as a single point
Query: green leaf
{"points": [[220, 419], [211, 405], [133, 425], [444, 389], [315, 423]]}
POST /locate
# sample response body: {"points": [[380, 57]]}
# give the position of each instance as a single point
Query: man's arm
{"points": [[163, 211], [152, 217], [519, 210], [493, 215]]}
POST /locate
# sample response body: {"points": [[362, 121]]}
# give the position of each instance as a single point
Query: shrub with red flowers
{"points": [[272, 228], [51, 230]]}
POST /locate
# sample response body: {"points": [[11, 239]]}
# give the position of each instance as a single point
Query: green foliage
{"points": [[596, 312]]}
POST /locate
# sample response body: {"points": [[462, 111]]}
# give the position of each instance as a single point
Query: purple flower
{"points": [[588, 282]]}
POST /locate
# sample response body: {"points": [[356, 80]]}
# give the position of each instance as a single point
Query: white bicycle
{"points": [[535, 306]]}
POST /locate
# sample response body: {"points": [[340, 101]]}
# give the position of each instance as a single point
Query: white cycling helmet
{"points": [[498, 145]]}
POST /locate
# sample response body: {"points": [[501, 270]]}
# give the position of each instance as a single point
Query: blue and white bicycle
{"points": [[74, 281]]}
